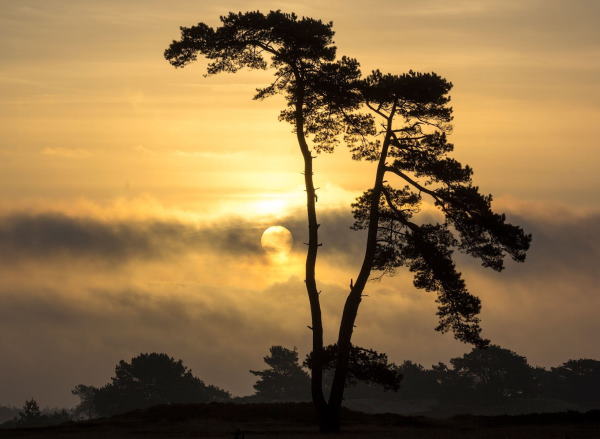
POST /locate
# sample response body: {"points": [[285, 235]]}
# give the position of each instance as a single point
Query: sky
{"points": [[133, 196]]}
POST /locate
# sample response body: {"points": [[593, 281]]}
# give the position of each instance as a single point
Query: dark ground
{"points": [[297, 421]]}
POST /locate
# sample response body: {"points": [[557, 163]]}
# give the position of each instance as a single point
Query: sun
{"points": [[277, 242]]}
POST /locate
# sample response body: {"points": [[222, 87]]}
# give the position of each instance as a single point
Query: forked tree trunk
{"points": [[329, 412]]}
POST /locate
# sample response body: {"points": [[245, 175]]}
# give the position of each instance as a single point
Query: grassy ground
{"points": [[297, 421]]}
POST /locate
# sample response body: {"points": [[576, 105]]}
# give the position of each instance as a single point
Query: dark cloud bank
{"points": [[571, 244], [45, 235], [26, 236]]}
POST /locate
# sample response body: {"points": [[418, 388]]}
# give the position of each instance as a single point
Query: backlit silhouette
{"points": [[398, 121]]}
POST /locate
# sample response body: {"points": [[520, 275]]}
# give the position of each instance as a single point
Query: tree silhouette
{"points": [[578, 381], [366, 366], [492, 380], [329, 102], [415, 117], [495, 375], [147, 380], [87, 405], [31, 414], [302, 54], [284, 380]]}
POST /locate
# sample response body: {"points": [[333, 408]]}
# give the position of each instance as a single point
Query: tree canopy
{"points": [[415, 116], [284, 380], [146, 380], [302, 54]]}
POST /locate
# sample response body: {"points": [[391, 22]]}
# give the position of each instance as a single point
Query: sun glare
{"points": [[276, 205], [270, 206]]}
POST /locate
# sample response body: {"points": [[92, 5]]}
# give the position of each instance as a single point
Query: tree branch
{"points": [[376, 110], [418, 186]]}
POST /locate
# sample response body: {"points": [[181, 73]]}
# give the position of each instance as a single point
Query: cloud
{"points": [[562, 243], [210, 154], [44, 235], [71, 153], [566, 244], [26, 235], [335, 235]]}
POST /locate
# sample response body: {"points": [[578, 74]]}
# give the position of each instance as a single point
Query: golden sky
{"points": [[133, 196]]}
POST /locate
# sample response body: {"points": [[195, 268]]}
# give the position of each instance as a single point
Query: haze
{"points": [[133, 196]]}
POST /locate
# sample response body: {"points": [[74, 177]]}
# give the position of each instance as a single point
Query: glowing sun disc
{"points": [[277, 240]]}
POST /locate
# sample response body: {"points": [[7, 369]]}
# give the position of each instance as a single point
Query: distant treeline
{"points": [[485, 381], [31, 416]]}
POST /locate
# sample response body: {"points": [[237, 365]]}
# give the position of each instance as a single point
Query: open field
{"points": [[297, 421]]}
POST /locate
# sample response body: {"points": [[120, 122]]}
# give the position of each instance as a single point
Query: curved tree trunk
{"points": [[318, 398], [355, 295]]}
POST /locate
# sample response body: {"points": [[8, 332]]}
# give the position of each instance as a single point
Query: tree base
{"points": [[329, 420]]}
